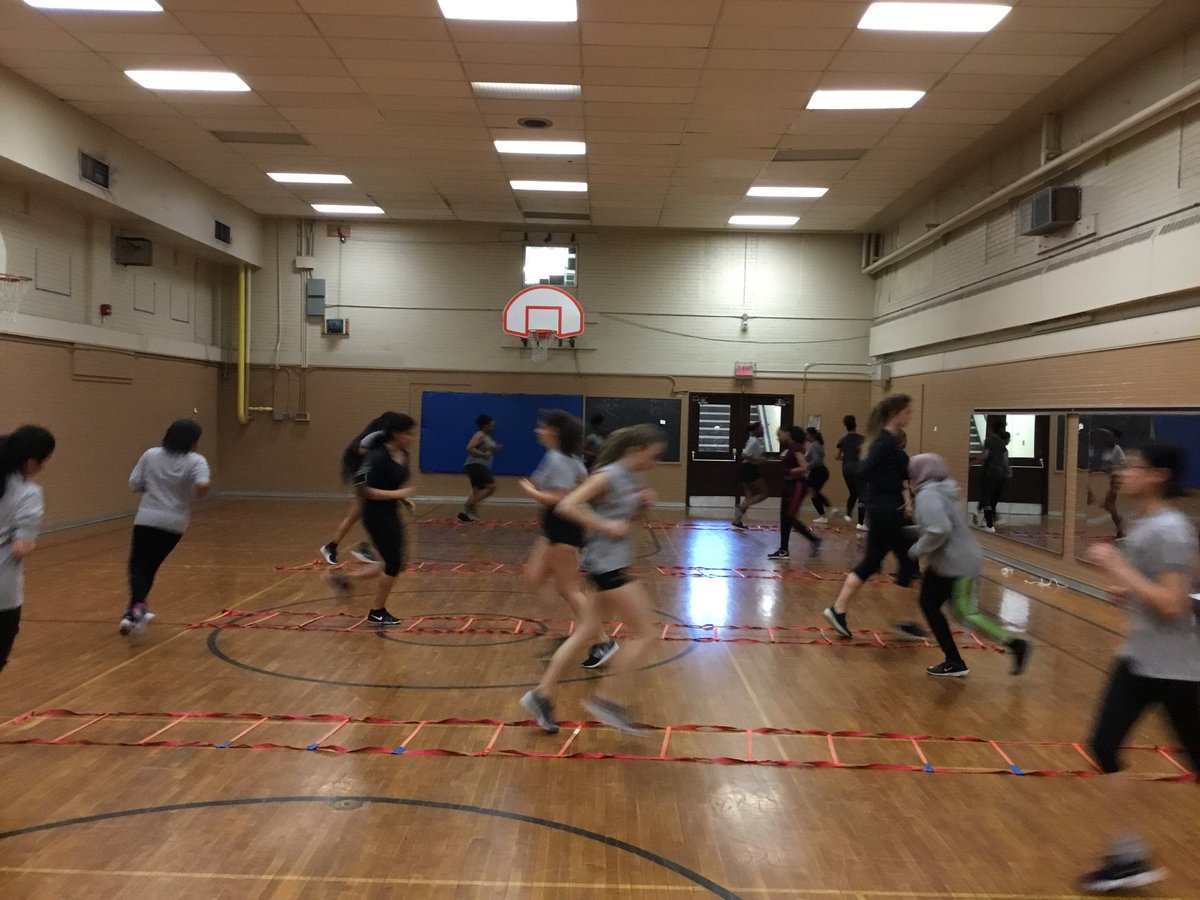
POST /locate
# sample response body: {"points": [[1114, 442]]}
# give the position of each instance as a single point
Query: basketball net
{"points": [[541, 345], [12, 289]]}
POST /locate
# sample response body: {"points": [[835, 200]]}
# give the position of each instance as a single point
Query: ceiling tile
{"points": [[276, 24], [792, 13], [770, 37], [670, 12], [644, 57], [644, 35], [550, 54], [382, 27]]}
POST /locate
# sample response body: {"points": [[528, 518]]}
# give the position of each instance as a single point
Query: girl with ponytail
{"points": [[23, 454]]}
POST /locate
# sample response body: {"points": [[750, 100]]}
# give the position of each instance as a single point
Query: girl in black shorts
{"points": [[555, 556], [754, 488], [481, 449], [381, 483], [352, 458]]}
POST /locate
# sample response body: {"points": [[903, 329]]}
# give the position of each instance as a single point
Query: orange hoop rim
{"points": [[14, 279]]}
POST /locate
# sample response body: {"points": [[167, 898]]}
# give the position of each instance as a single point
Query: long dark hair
{"points": [[182, 436], [394, 423], [623, 440], [569, 429], [885, 410], [815, 435], [29, 442], [1171, 459], [798, 434]]}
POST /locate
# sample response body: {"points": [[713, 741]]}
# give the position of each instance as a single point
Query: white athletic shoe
{"points": [[863, 528], [847, 519], [821, 520], [140, 625]]}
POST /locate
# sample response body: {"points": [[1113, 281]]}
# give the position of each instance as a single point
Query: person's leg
{"points": [[149, 548], [609, 702], [987, 486], [785, 518], [10, 624], [563, 567], [539, 701], [747, 491], [1110, 506], [935, 591], [852, 494], [908, 569], [878, 546], [1182, 702], [387, 534], [967, 611], [538, 567], [353, 511]]}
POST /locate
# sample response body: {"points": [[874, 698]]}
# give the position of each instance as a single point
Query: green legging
{"points": [[935, 591]]}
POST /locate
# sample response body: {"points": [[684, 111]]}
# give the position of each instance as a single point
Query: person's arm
{"points": [[473, 448], [576, 506], [545, 498], [201, 478], [840, 456], [367, 492], [137, 478], [27, 519], [1167, 595], [934, 525]]}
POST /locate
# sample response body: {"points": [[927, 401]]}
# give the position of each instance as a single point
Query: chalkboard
{"points": [[620, 412], [448, 421]]}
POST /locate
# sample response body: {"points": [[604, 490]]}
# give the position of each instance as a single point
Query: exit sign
{"points": [[743, 370]]}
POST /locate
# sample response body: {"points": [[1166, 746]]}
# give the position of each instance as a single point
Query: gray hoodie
{"points": [[946, 539]]}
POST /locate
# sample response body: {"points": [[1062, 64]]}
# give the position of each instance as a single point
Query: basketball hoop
{"points": [[540, 342], [13, 288]]}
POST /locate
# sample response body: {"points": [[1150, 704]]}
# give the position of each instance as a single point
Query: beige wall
{"points": [[302, 457], [104, 409]]}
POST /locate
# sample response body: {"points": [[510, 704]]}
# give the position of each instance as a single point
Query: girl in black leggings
{"points": [[795, 489], [1159, 663], [881, 477], [381, 485]]}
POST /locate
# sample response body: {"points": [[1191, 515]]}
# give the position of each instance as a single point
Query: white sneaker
{"points": [[140, 625], [863, 528], [821, 520], [989, 529], [847, 519]]}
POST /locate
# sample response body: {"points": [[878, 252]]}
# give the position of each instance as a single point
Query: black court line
{"points": [[214, 640], [682, 871]]}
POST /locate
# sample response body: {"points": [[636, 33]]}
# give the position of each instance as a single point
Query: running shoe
{"points": [[838, 621], [128, 622], [141, 618], [741, 525], [539, 706], [1021, 649], [329, 553], [382, 617], [911, 630], [779, 554], [815, 551], [847, 519], [363, 553], [1119, 876], [611, 714], [600, 654], [949, 670], [821, 520], [862, 527]]}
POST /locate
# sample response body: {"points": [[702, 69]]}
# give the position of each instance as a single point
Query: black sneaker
{"points": [[779, 554], [1119, 876], [911, 630], [539, 706], [838, 621], [465, 516], [741, 525], [1021, 649], [949, 670], [363, 553], [611, 714], [816, 548], [329, 553], [382, 617], [600, 654]]}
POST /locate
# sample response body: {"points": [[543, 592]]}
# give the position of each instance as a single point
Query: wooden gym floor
{"points": [[98, 815]]}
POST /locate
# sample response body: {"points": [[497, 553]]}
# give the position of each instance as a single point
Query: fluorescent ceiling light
{"points": [[543, 148], [97, 5], [810, 192], [517, 90], [349, 209], [511, 10], [305, 178], [772, 221], [969, 17], [173, 80], [577, 187], [864, 99]]}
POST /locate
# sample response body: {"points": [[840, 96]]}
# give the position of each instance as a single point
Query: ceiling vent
{"points": [[817, 155], [1051, 210], [258, 137], [222, 232]]}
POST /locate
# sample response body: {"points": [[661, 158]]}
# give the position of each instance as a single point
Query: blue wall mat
{"points": [[448, 421], [1184, 431]]}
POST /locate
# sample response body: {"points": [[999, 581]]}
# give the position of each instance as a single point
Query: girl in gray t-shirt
{"points": [[23, 454], [1159, 664], [606, 505], [169, 478]]}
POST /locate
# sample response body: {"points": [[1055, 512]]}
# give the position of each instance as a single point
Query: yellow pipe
{"points": [[243, 413]]}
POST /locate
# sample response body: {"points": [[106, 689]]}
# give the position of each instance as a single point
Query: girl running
{"points": [[352, 459], [606, 505], [556, 554], [169, 478], [381, 484], [791, 456], [818, 473], [849, 451], [23, 455], [993, 472], [1111, 459], [754, 488], [882, 474], [481, 449], [952, 570], [1159, 664]]}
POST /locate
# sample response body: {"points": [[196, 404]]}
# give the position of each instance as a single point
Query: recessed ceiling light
{"points": [[864, 99], [97, 5], [511, 10], [771, 221], [516, 90], [810, 192], [543, 148], [577, 187], [969, 17], [305, 178], [348, 209], [173, 80]]}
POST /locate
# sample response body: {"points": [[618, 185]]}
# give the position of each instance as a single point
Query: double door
{"points": [[718, 425]]}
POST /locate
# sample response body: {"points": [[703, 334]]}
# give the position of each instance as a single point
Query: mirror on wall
{"points": [[1105, 437], [1017, 483]]}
